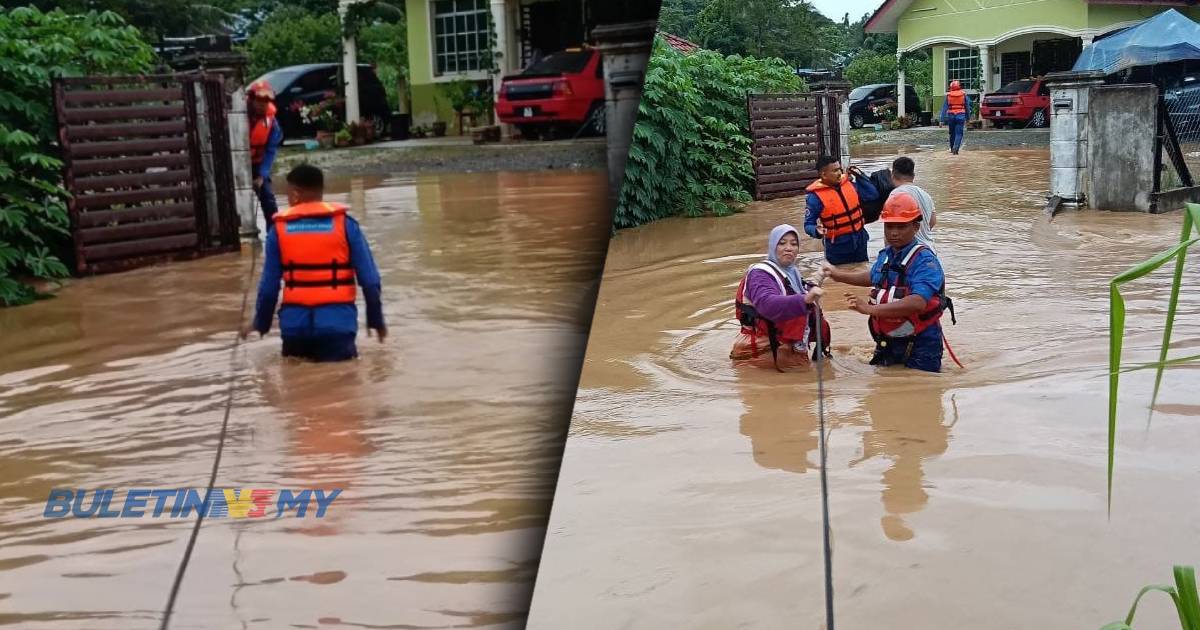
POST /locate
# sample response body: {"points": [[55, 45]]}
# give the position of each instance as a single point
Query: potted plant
{"points": [[323, 116], [362, 132], [343, 138], [418, 131], [439, 128]]}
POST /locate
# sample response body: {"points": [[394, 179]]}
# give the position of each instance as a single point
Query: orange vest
{"points": [[755, 325], [841, 212], [315, 254], [956, 102], [885, 292], [260, 134]]}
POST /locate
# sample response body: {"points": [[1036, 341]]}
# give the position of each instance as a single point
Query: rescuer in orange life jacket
{"points": [[319, 253], [834, 211], [265, 138], [772, 305], [955, 110], [908, 292]]}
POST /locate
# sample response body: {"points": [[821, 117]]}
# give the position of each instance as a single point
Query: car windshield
{"points": [[561, 63], [1016, 87], [860, 93], [280, 79]]}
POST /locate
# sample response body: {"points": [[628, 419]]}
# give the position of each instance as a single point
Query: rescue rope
{"points": [[824, 485], [212, 480], [946, 342]]}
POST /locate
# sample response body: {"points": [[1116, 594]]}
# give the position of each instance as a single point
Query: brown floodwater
{"points": [[444, 440], [689, 491]]}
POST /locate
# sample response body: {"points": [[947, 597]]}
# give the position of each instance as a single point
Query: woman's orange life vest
{"points": [[841, 212], [260, 134], [956, 102], [315, 254], [885, 292]]}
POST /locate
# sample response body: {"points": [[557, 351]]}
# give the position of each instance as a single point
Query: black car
{"points": [[862, 99], [310, 83]]}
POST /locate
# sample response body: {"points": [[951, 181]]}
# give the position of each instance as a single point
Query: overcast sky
{"points": [[834, 9]]}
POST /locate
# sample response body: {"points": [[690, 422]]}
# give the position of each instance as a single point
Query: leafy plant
{"points": [[1191, 219], [690, 152], [292, 36], [1187, 602], [36, 47], [323, 114]]}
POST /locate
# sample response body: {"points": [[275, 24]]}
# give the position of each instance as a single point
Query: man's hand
{"points": [[381, 332], [821, 229], [258, 182], [853, 303], [813, 295], [826, 271]]}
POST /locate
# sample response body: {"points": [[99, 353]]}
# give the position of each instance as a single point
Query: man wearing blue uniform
{"points": [[319, 253], [834, 211], [908, 292]]}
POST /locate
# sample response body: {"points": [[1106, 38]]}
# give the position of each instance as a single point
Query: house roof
{"points": [[678, 43], [884, 19]]}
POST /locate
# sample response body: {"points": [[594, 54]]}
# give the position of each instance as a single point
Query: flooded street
{"points": [[689, 493], [444, 440]]}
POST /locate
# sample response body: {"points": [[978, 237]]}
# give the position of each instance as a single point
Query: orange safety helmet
{"points": [[955, 85], [900, 208], [260, 89]]}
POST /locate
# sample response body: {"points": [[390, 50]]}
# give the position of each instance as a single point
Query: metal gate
{"points": [[788, 133], [134, 168]]}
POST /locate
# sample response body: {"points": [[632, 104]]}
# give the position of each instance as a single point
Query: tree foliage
{"points": [[154, 18], [36, 47], [690, 152], [766, 28], [293, 36]]}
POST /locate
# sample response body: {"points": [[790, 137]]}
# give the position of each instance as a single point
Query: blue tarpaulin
{"points": [[1166, 37]]}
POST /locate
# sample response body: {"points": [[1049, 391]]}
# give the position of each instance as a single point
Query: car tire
{"points": [[1039, 119], [857, 121], [596, 120]]}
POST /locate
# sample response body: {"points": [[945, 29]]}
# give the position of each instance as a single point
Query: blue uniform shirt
{"points": [[924, 275], [330, 319]]}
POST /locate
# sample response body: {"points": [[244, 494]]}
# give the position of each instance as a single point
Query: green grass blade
{"points": [[1161, 364], [1189, 600], [1117, 625], [1162, 588], [1116, 337], [1191, 216]]}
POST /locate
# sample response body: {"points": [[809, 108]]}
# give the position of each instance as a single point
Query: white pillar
{"points": [[985, 78], [349, 68], [1087, 40], [501, 48], [900, 95]]}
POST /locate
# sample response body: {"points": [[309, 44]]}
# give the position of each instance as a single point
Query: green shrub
{"points": [[35, 47], [291, 36], [690, 152]]}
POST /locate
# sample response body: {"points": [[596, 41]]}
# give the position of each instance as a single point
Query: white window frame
{"points": [[447, 77], [976, 79]]}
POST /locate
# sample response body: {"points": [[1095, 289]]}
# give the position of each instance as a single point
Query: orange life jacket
{"points": [[260, 134], [315, 254], [956, 102], [788, 332], [841, 212], [903, 327]]}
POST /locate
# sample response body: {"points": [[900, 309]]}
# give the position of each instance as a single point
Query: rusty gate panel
{"points": [[131, 155], [788, 132]]}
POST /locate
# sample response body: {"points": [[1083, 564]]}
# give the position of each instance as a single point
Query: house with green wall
{"points": [[985, 44]]}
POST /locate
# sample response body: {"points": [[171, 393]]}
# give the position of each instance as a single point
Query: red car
{"points": [[562, 92], [1024, 103]]}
